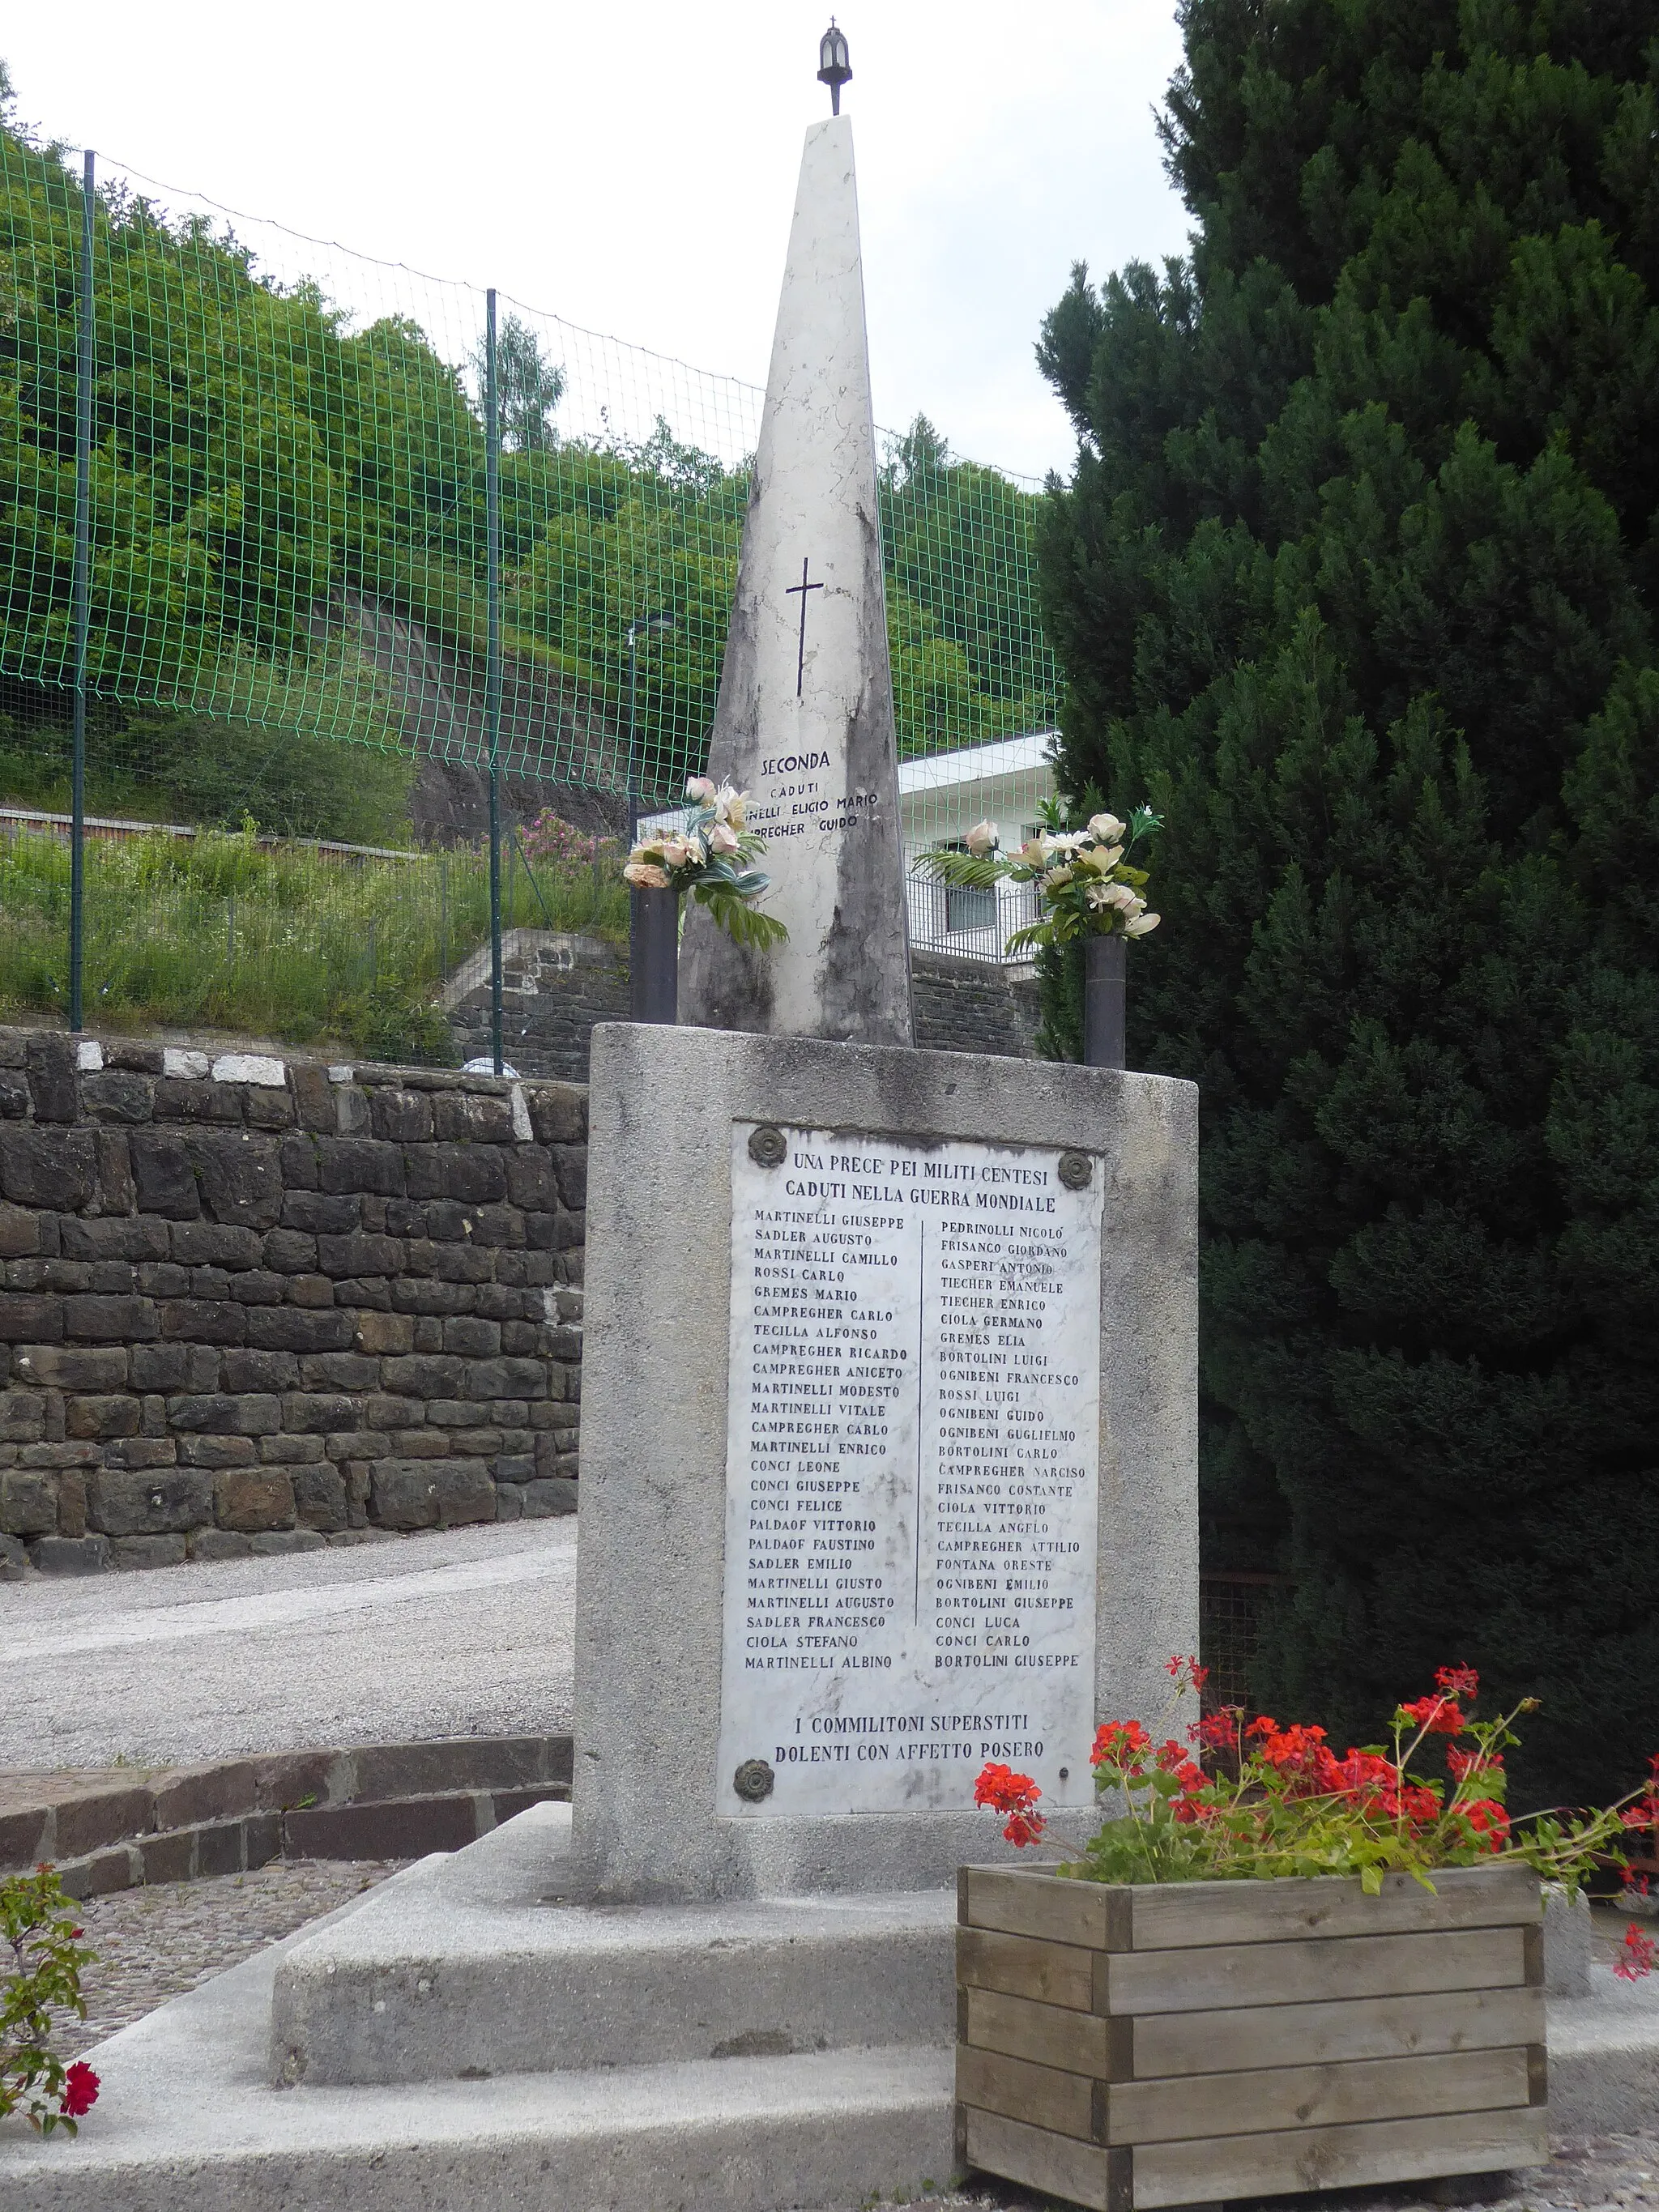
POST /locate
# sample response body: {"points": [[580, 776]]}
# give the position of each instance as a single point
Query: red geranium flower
{"points": [[1119, 1743], [1641, 1955], [1005, 1791], [1439, 1716], [1488, 1818], [1024, 1828], [80, 2090], [1219, 1731], [1457, 1681]]}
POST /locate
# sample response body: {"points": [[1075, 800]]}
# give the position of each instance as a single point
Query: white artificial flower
{"points": [[1066, 841], [1119, 896], [1106, 827], [981, 839], [701, 788], [1139, 926], [722, 838], [729, 804], [1108, 856], [647, 875], [1034, 853], [1056, 877]]}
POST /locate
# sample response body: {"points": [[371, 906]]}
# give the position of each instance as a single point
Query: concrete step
{"points": [[187, 2121], [471, 1964]]}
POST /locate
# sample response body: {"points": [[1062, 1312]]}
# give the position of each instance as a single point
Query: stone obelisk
{"points": [[804, 722]]}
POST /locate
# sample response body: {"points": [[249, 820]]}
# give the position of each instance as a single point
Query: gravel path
{"points": [[468, 1632], [154, 1944]]}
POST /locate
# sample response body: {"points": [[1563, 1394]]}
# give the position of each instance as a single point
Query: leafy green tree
{"points": [[528, 388], [1355, 578]]}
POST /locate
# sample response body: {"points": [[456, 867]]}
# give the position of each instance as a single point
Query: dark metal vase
{"points": [[1103, 991], [653, 954]]}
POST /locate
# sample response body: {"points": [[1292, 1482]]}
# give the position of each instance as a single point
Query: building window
{"points": [[966, 909]]}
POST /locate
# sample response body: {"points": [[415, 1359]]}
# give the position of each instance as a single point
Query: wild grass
{"points": [[222, 932]]}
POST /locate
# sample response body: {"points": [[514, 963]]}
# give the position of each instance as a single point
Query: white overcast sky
{"points": [[631, 166]]}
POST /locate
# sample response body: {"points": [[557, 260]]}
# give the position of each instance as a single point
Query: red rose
{"points": [[80, 2090]]}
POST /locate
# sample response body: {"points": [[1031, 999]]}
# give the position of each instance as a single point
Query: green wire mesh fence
{"points": [[289, 611]]}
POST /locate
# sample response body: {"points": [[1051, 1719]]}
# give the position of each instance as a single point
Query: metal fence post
{"points": [[83, 594], [493, 670], [443, 915]]}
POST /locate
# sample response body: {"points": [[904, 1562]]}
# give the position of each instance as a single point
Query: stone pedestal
{"points": [[654, 1814]]}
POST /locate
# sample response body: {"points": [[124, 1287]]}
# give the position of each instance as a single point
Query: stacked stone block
{"points": [[251, 1305]]}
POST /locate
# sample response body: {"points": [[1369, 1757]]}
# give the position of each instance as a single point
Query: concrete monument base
{"points": [[189, 2119]]}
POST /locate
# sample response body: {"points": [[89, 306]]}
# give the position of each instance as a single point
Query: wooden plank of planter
{"points": [[1267, 2101], [1250, 2036], [1321, 1968], [1330, 2158], [1095, 1914], [1181, 1915], [1054, 1973], [1058, 2166], [1082, 2042], [1301, 2034], [1270, 2098]]}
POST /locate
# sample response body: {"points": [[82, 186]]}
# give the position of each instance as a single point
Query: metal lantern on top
{"points": [[834, 68]]}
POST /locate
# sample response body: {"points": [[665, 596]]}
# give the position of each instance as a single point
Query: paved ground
{"points": [[1601, 2174], [154, 1944], [468, 1632]]}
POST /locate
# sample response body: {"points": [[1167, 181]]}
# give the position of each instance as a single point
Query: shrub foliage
{"points": [[1355, 581]]}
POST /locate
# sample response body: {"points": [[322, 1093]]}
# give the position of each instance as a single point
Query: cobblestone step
{"points": [[368, 1801]]}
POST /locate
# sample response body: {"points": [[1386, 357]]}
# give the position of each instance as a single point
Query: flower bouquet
{"points": [[1086, 885], [711, 856]]}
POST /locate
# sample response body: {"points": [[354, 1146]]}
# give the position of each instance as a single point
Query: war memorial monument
{"points": [[890, 1441]]}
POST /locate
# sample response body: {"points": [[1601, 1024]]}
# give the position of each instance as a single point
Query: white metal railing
{"points": [[969, 925]]}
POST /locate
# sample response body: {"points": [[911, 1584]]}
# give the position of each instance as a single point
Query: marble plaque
{"points": [[911, 1471]]}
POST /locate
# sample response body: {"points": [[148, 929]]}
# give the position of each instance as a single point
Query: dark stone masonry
{"points": [[556, 987], [249, 1304]]}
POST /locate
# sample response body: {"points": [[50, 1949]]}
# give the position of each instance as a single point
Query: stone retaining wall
{"points": [[252, 1305], [556, 986]]}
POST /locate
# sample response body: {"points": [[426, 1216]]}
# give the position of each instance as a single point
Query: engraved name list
{"points": [[911, 1471]]}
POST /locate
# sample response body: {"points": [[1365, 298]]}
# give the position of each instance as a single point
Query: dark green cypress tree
{"points": [[1355, 581]]}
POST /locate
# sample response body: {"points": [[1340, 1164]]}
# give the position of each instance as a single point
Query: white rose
{"points": [[1141, 924], [1106, 827], [701, 788], [981, 839], [722, 838]]}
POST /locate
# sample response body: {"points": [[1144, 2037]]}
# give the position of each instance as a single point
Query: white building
{"points": [[941, 797]]}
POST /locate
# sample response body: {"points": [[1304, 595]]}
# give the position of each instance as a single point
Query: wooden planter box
{"points": [[1182, 2043]]}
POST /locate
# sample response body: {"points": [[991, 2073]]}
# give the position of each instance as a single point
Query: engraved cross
{"points": [[803, 587]]}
